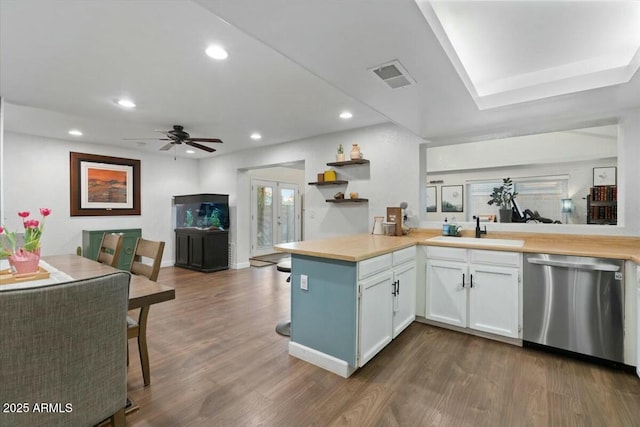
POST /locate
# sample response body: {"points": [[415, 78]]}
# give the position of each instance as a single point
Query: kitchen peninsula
{"points": [[351, 295]]}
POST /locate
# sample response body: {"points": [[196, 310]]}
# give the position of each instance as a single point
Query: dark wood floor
{"points": [[217, 361]]}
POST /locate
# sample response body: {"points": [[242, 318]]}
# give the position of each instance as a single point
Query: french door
{"points": [[275, 215]]}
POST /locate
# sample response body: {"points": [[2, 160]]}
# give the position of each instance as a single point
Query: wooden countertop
{"points": [[362, 246]]}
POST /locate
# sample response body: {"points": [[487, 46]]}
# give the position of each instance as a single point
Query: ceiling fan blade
{"points": [[143, 139], [167, 147], [200, 146], [206, 139]]}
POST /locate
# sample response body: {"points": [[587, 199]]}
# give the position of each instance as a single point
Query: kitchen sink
{"points": [[512, 243]]}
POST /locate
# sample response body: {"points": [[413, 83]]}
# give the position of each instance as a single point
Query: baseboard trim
{"points": [[322, 360], [240, 265]]}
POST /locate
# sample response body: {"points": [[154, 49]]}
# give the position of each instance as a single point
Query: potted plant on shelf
{"points": [[340, 155], [503, 197]]}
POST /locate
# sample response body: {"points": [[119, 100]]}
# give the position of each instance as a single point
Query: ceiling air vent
{"points": [[393, 74]]}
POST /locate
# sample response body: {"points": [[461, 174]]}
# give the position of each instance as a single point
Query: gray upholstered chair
{"points": [[65, 345]]}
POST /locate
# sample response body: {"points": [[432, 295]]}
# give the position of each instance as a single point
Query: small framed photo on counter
{"points": [[604, 176]]}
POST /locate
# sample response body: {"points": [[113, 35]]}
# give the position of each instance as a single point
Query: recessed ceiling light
{"points": [[75, 132], [256, 136], [346, 115], [216, 52], [126, 103], [190, 152]]}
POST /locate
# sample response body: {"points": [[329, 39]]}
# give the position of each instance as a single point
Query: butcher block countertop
{"points": [[362, 246]]}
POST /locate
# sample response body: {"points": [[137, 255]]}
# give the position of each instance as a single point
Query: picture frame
{"points": [[103, 185], [604, 176], [452, 198], [432, 199]]}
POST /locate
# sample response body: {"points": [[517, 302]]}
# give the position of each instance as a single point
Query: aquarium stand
{"points": [[202, 250]]}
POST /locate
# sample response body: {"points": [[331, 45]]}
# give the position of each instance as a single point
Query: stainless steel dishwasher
{"points": [[574, 303]]}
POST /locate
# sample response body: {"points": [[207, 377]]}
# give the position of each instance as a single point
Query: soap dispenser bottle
{"points": [[445, 228]]}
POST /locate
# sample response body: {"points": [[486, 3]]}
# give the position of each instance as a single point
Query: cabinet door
{"points": [[182, 249], [404, 302], [446, 295], [196, 250], [493, 299], [376, 311]]}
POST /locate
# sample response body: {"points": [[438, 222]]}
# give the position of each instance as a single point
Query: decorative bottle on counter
{"points": [[355, 152], [445, 228]]}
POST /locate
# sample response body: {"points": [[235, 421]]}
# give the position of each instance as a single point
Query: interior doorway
{"points": [[275, 215]]}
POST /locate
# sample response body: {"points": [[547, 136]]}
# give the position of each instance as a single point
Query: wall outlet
{"points": [[304, 282]]}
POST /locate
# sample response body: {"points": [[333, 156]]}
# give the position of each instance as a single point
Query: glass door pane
{"points": [[264, 217], [287, 215]]}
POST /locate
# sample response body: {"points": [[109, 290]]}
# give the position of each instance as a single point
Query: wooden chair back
{"points": [[147, 249], [110, 248]]}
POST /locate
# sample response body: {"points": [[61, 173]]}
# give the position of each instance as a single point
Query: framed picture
{"points": [[103, 185], [452, 200], [604, 176], [432, 199]]}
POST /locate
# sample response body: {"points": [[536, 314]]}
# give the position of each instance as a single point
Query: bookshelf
{"points": [[602, 205]]}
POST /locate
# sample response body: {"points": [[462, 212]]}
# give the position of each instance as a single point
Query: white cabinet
{"points": [[473, 288], [446, 297], [404, 300], [387, 295], [376, 304]]}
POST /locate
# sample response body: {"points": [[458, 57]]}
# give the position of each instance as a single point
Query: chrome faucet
{"points": [[479, 232]]}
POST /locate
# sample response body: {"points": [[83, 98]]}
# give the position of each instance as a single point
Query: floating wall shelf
{"points": [[349, 162], [337, 182], [347, 200]]}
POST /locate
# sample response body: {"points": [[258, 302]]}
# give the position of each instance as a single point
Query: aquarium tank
{"points": [[202, 211]]}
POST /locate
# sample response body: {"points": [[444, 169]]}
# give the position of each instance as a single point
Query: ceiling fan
{"points": [[178, 136]]}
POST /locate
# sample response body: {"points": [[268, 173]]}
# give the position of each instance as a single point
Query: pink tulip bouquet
{"points": [[32, 233]]}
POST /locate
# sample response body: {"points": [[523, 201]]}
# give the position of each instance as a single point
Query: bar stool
{"points": [[284, 326]]}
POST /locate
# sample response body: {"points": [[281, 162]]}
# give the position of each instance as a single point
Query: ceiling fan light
{"points": [[126, 103], [75, 132], [216, 52], [190, 151], [256, 136]]}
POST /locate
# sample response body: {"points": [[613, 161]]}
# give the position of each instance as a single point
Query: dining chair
{"points": [[110, 248], [151, 250], [64, 350]]}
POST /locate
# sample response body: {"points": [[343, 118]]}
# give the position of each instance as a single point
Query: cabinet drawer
{"points": [[453, 254], [374, 265], [404, 255], [510, 259]]}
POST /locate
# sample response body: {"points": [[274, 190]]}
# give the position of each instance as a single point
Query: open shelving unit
{"points": [[342, 182], [602, 205]]}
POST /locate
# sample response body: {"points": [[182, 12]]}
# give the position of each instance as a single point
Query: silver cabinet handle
{"points": [[578, 265]]}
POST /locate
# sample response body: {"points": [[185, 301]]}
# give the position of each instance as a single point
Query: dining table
{"points": [[142, 291]]}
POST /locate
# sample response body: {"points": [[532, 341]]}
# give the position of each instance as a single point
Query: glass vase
{"points": [[25, 262]]}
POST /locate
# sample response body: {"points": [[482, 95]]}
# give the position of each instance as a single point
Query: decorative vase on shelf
{"points": [[340, 157], [355, 152], [25, 262]]}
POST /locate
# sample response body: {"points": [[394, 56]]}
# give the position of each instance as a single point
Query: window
{"points": [[542, 194]]}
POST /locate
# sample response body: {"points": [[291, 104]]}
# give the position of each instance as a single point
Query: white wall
{"points": [[390, 178], [36, 174]]}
